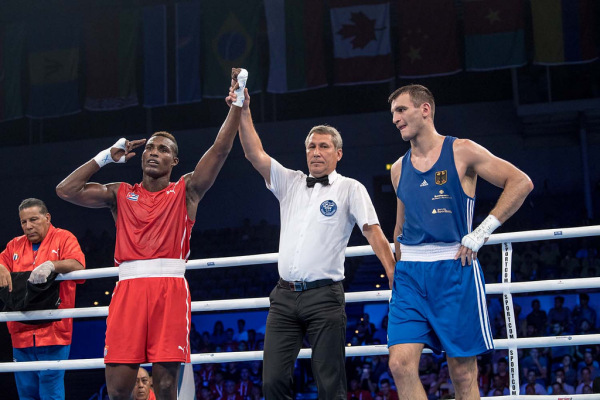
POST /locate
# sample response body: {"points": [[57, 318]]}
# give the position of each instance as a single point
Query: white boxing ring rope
{"points": [[506, 288]]}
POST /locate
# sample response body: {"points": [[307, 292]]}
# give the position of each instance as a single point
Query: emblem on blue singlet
{"points": [[441, 177], [328, 208]]}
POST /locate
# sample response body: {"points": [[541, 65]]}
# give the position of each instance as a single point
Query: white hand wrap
{"points": [[239, 92], [104, 156], [476, 239], [41, 273]]}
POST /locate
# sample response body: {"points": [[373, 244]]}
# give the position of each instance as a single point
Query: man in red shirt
{"points": [[143, 386], [154, 220], [42, 249]]}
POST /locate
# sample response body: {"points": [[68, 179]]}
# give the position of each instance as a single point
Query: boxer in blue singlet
{"points": [[438, 297]]}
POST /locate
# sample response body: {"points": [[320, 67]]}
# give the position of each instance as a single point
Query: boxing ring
{"points": [[507, 288]]}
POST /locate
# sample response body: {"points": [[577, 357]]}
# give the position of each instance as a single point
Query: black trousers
{"points": [[321, 314]]}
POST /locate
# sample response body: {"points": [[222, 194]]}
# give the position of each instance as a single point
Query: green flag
{"points": [[230, 40]]}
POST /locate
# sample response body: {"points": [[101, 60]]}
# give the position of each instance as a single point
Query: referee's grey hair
{"points": [[336, 138]]}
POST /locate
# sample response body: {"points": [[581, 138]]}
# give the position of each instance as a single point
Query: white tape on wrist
{"points": [[104, 157], [477, 238], [239, 92]]}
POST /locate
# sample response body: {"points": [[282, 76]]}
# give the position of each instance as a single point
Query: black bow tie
{"points": [[310, 181]]}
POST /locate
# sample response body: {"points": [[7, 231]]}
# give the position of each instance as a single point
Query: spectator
{"points": [[378, 367], [256, 393], [387, 375], [427, 371], [205, 393], [245, 385], [537, 318], [557, 353], [560, 314], [498, 385], [583, 311], [206, 373], [532, 376], [584, 328], [229, 344], [195, 339], [559, 377], [586, 380], [381, 333], [596, 385], [252, 342], [356, 392], [218, 336], [143, 386], [241, 334], [535, 361], [502, 371], [589, 363], [230, 391], [443, 386], [366, 378], [386, 392], [256, 372], [218, 386], [570, 370]]}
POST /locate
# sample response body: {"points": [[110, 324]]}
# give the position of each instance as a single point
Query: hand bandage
{"points": [[239, 92], [41, 273], [477, 238], [104, 156]]}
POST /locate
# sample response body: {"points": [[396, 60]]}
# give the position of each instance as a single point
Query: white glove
{"points": [[104, 156], [41, 273], [477, 238], [239, 92]]}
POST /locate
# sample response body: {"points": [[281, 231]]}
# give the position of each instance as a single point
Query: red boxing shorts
{"points": [[149, 314]]}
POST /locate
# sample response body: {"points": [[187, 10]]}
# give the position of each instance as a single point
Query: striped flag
{"points": [[12, 37], [361, 41], [563, 31], [171, 54], [494, 34], [295, 31], [111, 38], [53, 68]]}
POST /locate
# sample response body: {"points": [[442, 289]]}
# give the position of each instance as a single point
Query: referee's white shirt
{"points": [[313, 237]]}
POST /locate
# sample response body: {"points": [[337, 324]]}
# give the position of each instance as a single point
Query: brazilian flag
{"points": [[230, 31]]}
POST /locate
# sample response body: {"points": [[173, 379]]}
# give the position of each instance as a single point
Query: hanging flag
{"points": [[563, 31], [171, 54], [53, 68], [295, 31], [230, 40], [111, 38], [494, 34], [12, 37], [428, 38], [361, 41]]}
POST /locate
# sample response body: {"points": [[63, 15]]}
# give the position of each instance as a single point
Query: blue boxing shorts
{"points": [[438, 302]]}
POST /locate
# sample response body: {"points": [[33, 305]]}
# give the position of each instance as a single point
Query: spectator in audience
{"points": [[366, 378], [218, 336], [256, 372], [559, 377], [386, 392], [387, 375], [378, 367], [143, 386], [217, 387], [381, 333], [498, 385], [252, 342], [535, 361], [356, 392], [502, 371], [206, 373], [427, 371], [570, 370], [529, 389], [229, 344], [241, 334], [365, 329], [587, 389], [532, 376], [204, 393], [584, 328], [558, 352], [230, 391], [589, 363], [586, 380], [583, 311], [596, 385], [245, 385], [256, 393], [537, 318], [443, 385], [195, 339], [560, 314]]}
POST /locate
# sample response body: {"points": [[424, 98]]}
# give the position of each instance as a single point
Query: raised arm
{"points": [[204, 175], [382, 249], [76, 187], [253, 149], [473, 160]]}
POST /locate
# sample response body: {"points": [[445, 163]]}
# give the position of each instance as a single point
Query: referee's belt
{"points": [[300, 286]]}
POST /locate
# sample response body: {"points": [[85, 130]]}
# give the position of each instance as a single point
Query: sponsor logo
{"points": [[558, 233], [55, 251], [105, 350], [132, 196], [171, 191], [424, 183], [328, 208], [441, 177], [441, 211], [181, 348], [441, 196]]}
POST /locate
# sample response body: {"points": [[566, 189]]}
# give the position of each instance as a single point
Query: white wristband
{"points": [[239, 92], [477, 238], [104, 157]]}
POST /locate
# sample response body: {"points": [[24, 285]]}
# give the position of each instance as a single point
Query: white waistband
{"points": [[156, 268], [429, 252]]}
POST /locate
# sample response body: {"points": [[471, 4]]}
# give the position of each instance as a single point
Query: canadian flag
{"points": [[361, 41]]}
